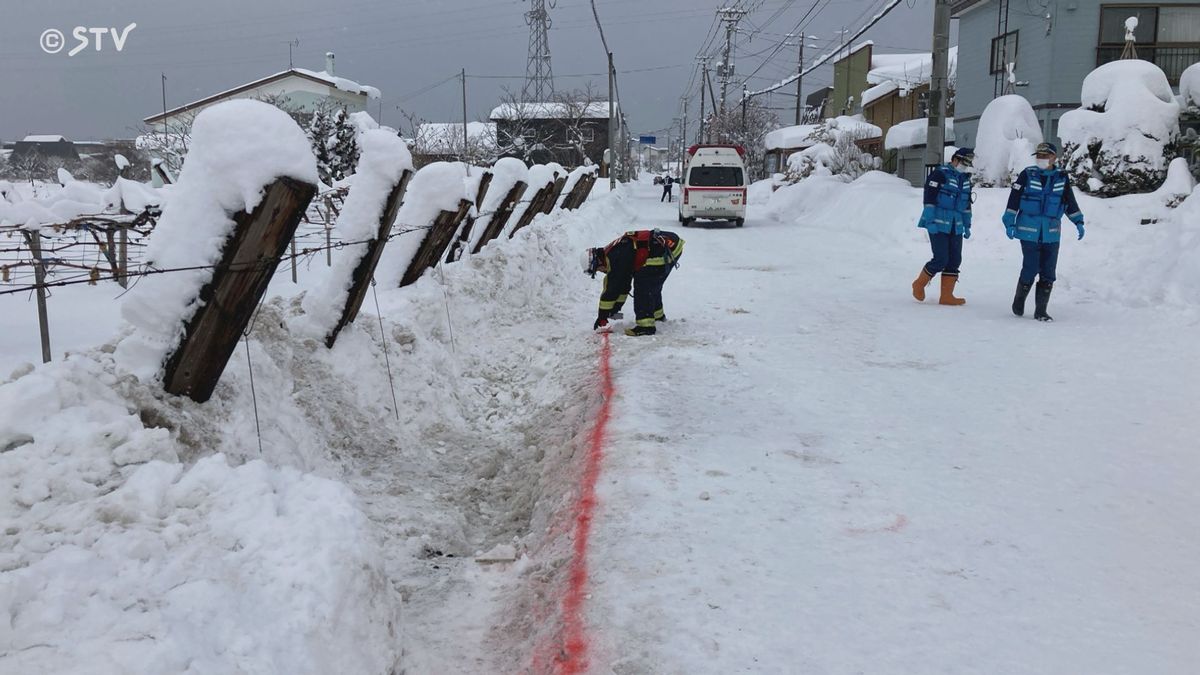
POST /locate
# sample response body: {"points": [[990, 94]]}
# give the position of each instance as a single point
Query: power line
{"points": [[825, 57]]}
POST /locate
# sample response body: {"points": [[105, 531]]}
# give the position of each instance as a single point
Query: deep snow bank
{"points": [[148, 534], [119, 557]]}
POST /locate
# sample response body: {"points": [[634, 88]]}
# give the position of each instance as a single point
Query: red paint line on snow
{"points": [[574, 655]]}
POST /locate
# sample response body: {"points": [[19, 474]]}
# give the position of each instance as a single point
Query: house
{"points": [[443, 142], [298, 88], [45, 146], [1054, 48], [905, 144], [814, 104], [899, 87], [849, 80], [781, 143], [570, 133]]}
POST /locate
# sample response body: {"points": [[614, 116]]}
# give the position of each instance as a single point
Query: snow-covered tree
{"points": [[1008, 134], [319, 131], [343, 144], [836, 152], [746, 130], [1123, 137]]}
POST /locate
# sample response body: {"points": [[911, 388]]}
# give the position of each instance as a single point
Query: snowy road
{"points": [[806, 471], [811, 473]]}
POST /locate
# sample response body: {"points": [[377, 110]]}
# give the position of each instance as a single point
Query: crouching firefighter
{"points": [[947, 218], [643, 259]]}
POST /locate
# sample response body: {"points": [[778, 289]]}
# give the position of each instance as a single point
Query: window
{"points": [[587, 134], [1167, 35], [1004, 51], [715, 176]]}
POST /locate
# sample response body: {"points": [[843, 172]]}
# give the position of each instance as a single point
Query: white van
{"points": [[714, 184]]}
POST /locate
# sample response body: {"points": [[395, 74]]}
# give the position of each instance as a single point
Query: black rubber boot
{"points": [[1019, 299], [637, 331], [1041, 298]]}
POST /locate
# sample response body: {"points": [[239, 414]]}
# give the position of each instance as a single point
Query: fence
{"points": [[293, 223]]}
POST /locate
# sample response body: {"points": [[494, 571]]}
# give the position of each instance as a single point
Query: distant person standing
{"points": [[1036, 205], [947, 218], [668, 181]]}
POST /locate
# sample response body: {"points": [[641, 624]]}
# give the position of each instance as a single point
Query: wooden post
{"points": [[556, 189], [464, 233], [579, 193], [39, 274], [110, 254], [437, 238], [536, 205], [328, 245], [249, 258], [293, 254], [123, 256], [500, 218], [360, 280]]}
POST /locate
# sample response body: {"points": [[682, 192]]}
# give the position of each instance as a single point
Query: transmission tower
{"points": [[539, 76]]}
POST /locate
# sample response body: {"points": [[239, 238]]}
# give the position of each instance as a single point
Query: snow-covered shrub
{"points": [[1122, 138], [1008, 133], [1189, 88], [835, 153]]}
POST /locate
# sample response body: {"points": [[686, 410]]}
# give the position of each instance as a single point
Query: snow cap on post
{"points": [[382, 164], [238, 148]]}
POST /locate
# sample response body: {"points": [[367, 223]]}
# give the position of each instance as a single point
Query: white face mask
{"points": [[1043, 164]]}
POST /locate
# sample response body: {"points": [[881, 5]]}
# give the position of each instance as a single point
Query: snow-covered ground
{"points": [[806, 471]]}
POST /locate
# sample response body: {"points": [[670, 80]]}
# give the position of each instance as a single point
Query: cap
{"points": [[1046, 149], [965, 156]]}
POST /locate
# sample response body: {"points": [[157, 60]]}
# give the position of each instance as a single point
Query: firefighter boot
{"points": [[1023, 289], [919, 285], [637, 331], [948, 281], [1041, 298]]}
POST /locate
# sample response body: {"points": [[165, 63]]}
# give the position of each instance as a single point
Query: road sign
{"points": [[648, 140]]}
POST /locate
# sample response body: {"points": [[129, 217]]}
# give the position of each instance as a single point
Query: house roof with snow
{"points": [[913, 133], [45, 138], [321, 77], [551, 110], [903, 73], [795, 137]]}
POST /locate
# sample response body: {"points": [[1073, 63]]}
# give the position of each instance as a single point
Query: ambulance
{"points": [[714, 184]]}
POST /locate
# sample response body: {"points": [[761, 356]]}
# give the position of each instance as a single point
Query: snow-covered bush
{"points": [[1189, 88], [836, 152], [1008, 133], [1122, 138]]}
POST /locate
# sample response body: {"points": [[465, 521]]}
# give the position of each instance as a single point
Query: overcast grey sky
{"points": [[399, 46]]}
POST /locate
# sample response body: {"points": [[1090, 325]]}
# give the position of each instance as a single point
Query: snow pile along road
{"points": [[149, 534]]}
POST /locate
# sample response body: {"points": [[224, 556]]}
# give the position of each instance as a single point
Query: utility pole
{"points": [[703, 78], [745, 97], [164, 100], [683, 133], [612, 123], [935, 139], [726, 69], [466, 146], [800, 81]]}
